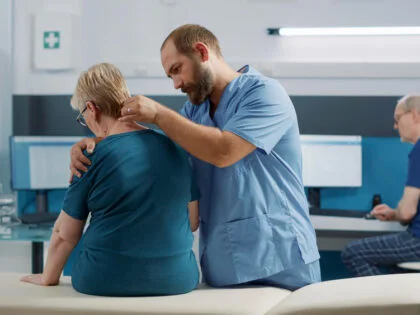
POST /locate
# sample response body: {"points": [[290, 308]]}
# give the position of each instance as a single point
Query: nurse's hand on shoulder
{"points": [[78, 161], [140, 108]]}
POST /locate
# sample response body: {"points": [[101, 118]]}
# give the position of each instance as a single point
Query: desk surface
{"points": [[329, 223], [23, 232]]}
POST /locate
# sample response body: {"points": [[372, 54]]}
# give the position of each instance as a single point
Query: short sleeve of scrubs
{"points": [[263, 117]]}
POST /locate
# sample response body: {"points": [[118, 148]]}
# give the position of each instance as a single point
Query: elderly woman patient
{"points": [[138, 190]]}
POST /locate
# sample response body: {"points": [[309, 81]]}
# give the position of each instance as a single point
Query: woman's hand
{"points": [[36, 279], [78, 160]]}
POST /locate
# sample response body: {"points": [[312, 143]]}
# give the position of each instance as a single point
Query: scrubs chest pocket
{"points": [[253, 248]]}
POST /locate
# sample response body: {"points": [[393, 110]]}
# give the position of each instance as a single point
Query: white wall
{"points": [[14, 256], [6, 90], [28, 80], [129, 33]]}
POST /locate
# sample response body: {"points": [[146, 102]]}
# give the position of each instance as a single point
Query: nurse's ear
{"points": [[202, 51]]}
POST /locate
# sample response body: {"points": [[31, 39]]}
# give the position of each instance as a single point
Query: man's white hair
{"points": [[410, 102]]}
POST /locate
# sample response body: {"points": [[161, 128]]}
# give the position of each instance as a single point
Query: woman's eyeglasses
{"points": [[80, 118]]}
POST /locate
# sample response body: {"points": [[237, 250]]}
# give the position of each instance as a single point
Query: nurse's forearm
{"points": [[205, 143], [59, 251]]}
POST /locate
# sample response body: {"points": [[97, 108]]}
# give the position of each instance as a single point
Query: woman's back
{"points": [[139, 240]]}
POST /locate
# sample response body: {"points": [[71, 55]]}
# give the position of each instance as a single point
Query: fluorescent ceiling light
{"points": [[343, 31]]}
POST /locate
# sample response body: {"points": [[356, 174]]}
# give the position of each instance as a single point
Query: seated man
{"points": [[363, 257], [137, 189]]}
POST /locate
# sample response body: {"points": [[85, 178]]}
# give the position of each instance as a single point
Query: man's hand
{"points": [[384, 213], [140, 108], [36, 279], [78, 160]]}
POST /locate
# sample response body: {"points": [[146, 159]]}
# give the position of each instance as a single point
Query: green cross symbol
{"points": [[51, 40]]}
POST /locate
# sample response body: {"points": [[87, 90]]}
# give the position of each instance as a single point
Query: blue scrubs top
{"points": [[413, 180], [139, 240], [254, 213]]}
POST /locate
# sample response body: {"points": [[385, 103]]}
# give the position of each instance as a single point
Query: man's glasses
{"points": [[398, 117], [80, 118]]}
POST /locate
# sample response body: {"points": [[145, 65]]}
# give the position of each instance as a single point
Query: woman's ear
{"points": [[94, 109], [90, 106]]}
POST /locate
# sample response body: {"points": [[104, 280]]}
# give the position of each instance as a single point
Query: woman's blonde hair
{"points": [[104, 85]]}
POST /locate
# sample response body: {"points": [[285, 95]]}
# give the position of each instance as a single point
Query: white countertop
{"points": [[333, 223]]}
